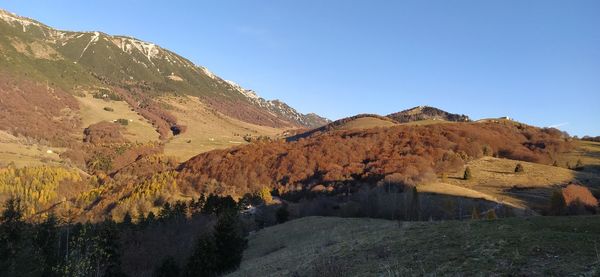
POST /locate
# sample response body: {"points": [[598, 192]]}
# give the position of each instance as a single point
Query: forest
{"points": [[408, 154]]}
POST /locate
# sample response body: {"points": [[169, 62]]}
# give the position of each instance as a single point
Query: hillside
{"points": [[56, 83], [421, 113], [329, 246], [88, 59]]}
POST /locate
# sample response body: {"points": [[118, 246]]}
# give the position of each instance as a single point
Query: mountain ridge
{"points": [[126, 60]]}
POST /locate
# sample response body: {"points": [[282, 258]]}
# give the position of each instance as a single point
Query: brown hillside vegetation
{"points": [[104, 132], [575, 193], [414, 154], [37, 110]]}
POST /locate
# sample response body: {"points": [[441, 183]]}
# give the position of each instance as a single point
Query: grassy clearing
{"points": [[138, 129], [207, 129], [537, 246], [17, 151], [496, 178], [365, 123]]}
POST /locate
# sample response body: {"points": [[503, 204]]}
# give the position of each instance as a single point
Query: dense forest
{"points": [[407, 154], [202, 237]]}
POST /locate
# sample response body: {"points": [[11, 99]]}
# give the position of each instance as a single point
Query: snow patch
{"points": [[13, 19], [94, 39], [207, 72]]}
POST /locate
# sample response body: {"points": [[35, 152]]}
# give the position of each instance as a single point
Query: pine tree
{"points": [[168, 268], [11, 236], [414, 212], [127, 220], [229, 241], [282, 214], [203, 261], [558, 204], [519, 168], [468, 175], [46, 241]]}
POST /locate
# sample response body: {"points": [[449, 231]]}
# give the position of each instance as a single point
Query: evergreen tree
{"points": [[166, 213], [558, 204], [46, 241], [179, 210], [168, 268], [519, 168], [282, 214], [203, 261], [468, 175], [414, 212], [229, 241], [197, 206], [127, 220], [11, 236]]}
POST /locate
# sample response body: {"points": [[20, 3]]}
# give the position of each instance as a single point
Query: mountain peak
{"points": [[426, 113]]}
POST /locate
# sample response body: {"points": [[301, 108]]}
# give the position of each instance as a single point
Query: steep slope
{"points": [[74, 59], [427, 113]]}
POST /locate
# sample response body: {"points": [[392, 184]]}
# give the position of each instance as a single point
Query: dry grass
{"points": [[536, 246], [92, 111], [21, 153], [207, 129], [365, 123]]}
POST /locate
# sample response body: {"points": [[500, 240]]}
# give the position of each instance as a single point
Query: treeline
{"points": [[413, 154], [203, 237], [589, 138]]}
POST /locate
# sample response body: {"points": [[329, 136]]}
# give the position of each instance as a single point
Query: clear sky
{"points": [[535, 61]]}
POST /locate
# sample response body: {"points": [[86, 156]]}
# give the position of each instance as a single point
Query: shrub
{"points": [[557, 203], [265, 195], [491, 214], [282, 214], [519, 168], [579, 200], [122, 121], [467, 175]]}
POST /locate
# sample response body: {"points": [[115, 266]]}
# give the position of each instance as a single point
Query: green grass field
{"points": [[328, 246]]}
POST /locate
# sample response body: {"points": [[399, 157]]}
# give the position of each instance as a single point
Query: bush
{"points": [[467, 175], [557, 203], [122, 121], [265, 195], [519, 168], [491, 214], [282, 214]]}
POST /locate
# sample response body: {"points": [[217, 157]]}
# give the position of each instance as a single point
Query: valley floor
{"points": [[329, 246]]}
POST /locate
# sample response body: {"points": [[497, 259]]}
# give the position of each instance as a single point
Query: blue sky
{"points": [[536, 61]]}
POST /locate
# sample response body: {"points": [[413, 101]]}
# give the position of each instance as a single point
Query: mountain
{"points": [[426, 113], [87, 60]]}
